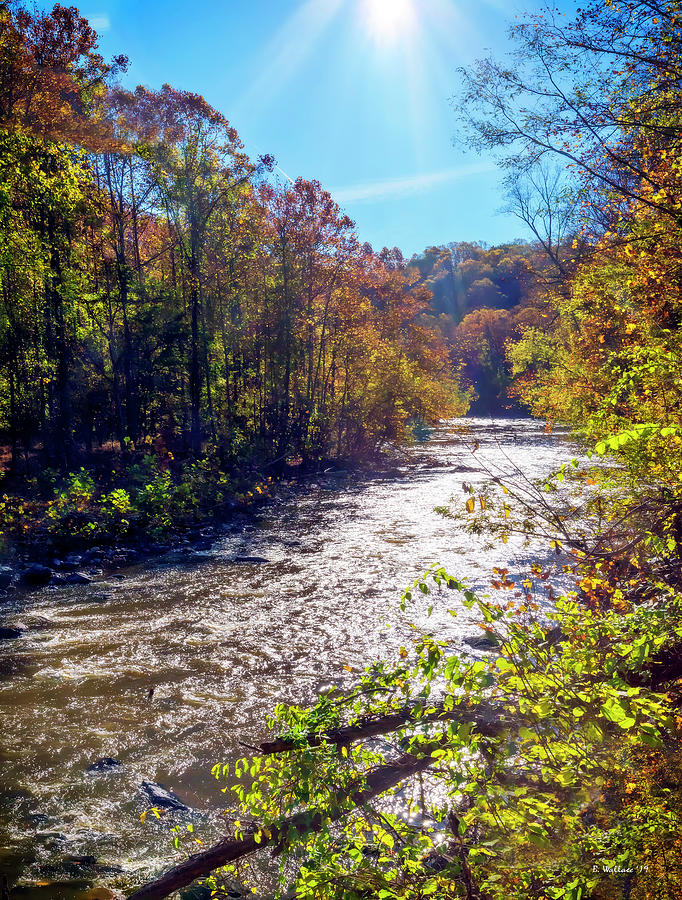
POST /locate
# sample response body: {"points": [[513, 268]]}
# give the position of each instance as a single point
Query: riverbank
{"points": [[90, 528]]}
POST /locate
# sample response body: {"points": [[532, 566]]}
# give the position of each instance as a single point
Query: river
{"points": [[221, 642]]}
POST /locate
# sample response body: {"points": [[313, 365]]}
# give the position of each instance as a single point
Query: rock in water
{"points": [[482, 642], [76, 865], [105, 764], [37, 818], [71, 562], [36, 575], [9, 634], [78, 578], [163, 798]]}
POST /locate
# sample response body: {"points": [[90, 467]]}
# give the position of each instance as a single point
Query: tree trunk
{"points": [[227, 850]]}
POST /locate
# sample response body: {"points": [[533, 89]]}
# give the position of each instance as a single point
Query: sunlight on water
{"points": [[221, 642]]}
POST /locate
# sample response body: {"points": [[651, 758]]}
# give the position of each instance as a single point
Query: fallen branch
{"points": [[488, 721], [200, 865]]}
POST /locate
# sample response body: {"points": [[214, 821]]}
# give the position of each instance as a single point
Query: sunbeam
{"points": [[285, 53]]}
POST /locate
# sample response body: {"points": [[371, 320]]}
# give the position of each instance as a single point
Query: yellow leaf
{"points": [[470, 504]]}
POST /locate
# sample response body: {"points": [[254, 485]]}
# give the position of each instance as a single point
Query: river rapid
{"points": [[221, 642]]}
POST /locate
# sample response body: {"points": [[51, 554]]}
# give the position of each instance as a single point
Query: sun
{"points": [[388, 19]]}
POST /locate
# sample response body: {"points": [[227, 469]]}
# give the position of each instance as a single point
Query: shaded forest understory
{"points": [[165, 296]]}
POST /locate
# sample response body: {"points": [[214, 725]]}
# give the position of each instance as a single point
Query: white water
{"points": [[221, 643]]}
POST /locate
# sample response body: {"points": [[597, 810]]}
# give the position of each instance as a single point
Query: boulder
{"points": [[163, 798], [72, 562], [36, 575], [78, 578], [250, 559]]}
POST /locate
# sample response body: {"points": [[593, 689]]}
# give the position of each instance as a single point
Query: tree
{"points": [[159, 289], [597, 92], [543, 201], [51, 77], [500, 769], [197, 166]]}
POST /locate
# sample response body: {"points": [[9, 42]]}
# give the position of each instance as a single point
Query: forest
{"points": [[168, 304], [177, 321]]}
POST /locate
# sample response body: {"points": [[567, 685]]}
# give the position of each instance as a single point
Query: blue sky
{"points": [[354, 93]]}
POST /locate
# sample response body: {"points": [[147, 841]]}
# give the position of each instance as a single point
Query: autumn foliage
{"points": [[156, 284], [554, 761]]}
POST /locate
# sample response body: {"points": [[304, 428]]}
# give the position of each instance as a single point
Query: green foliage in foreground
{"points": [[563, 800]]}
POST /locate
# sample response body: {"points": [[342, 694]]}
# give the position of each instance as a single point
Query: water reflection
{"points": [[220, 642]]}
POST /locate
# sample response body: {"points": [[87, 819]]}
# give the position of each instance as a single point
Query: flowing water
{"points": [[221, 642]]}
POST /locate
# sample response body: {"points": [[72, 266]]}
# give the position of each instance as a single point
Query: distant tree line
{"points": [[482, 298]]}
